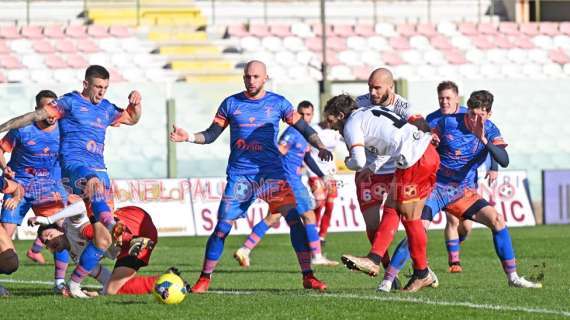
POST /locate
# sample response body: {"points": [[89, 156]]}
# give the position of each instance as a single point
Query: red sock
{"points": [[138, 285], [87, 232], [326, 220], [386, 260], [417, 241], [385, 232], [318, 211]]}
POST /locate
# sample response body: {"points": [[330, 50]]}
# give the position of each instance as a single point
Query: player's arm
{"points": [[492, 141], [205, 137], [313, 138], [132, 114], [75, 209], [354, 138], [312, 165], [419, 122], [25, 119]]}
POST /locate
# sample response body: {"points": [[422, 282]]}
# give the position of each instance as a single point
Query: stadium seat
{"points": [[548, 28], [336, 43], [87, 46], [543, 42], [564, 28], [133, 74], [426, 29], [497, 56], [53, 61], [446, 71], [364, 29], [115, 76], [119, 31], [412, 57], [509, 28], [447, 28], [530, 29], [33, 61], [302, 30], [482, 42], [379, 43], [304, 57], [362, 72], [405, 71], [259, 30], [10, 62], [342, 73], [280, 30], [371, 57], [9, 32], [538, 55], [434, 57], [566, 69], [31, 32], [392, 58], [65, 75], [454, 57], [21, 46], [517, 55], [122, 60], [314, 44], [532, 70], [461, 42], [54, 31], [4, 49], [17, 75], [343, 30], [440, 42], [65, 46], [250, 43], [99, 58], [523, 42], [468, 29], [318, 30], [286, 59], [349, 58], [490, 71], [272, 43], [385, 29], [399, 43], [419, 42], [357, 43], [553, 70], [512, 70], [487, 28], [97, 31], [293, 43], [558, 56], [42, 46], [406, 29], [76, 31], [237, 30], [427, 72], [76, 61], [502, 42], [110, 45], [469, 71], [475, 56], [3, 78], [298, 73]]}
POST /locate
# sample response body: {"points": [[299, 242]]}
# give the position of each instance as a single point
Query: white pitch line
{"points": [[471, 305]]}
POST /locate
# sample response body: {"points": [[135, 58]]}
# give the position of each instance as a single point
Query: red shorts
{"points": [[322, 190], [417, 181], [372, 193], [461, 205], [281, 197], [138, 223]]}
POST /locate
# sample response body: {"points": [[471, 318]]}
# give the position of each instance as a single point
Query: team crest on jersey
{"points": [[417, 135], [237, 112], [268, 111], [410, 191], [251, 119]]}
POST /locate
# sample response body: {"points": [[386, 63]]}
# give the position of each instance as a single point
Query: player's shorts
{"points": [[417, 181], [461, 202], [323, 190], [138, 223], [302, 197], [372, 193], [242, 190], [75, 179], [44, 196]]}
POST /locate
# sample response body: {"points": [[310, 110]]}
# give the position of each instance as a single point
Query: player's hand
{"points": [[17, 195], [478, 125], [39, 220], [9, 173], [135, 98], [491, 176], [364, 176], [435, 140], [178, 134], [325, 154], [90, 294]]}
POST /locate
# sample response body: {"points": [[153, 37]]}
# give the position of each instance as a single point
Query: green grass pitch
{"points": [[271, 288]]}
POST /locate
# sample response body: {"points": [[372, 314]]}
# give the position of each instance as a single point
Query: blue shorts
{"points": [[75, 179], [44, 196], [242, 190], [460, 201], [304, 201]]}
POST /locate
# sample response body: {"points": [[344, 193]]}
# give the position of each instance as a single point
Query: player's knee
{"points": [[320, 203], [222, 229], [498, 222], [8, 261]]}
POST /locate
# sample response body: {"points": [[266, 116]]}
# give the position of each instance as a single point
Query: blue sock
{"points": [[313, 239], [101, 210], [215, 247], [89, 259], [61, 260], [504, 249], [453, 248], [299, 241], [399, 259], [462, 238], [257, 233]]}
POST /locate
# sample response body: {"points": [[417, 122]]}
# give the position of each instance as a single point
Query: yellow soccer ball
{"points": [[169, 289]]}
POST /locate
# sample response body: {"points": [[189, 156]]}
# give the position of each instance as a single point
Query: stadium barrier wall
{"points": [[556, 196], [188, 207]]}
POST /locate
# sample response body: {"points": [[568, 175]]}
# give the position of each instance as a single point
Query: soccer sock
{"points": [[417, 242], [504, 249], [462, 237], [453, 250], [370, 234], [101, 211], [313, 239], [138, 285], [88, 260], [101, 274], [385, 232], [256, 235], [215, 247], [326, 220], [399, 259], [318, 211], [299, 241], [61, 259], [37, 246]]}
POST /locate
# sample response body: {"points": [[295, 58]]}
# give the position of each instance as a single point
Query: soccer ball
{"points": [[169, 289]]}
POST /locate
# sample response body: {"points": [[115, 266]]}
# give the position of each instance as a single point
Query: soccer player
{"points": [[255, 168], [323, 184], [136, 245], [389, 137], [465, 141], [8, 258], [295, 151], [83, 120], [372, 186], [34, 165]]}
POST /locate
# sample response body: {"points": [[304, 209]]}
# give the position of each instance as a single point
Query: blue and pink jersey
{"points": [[254, 126], [34, 152], [461, 152], [82, 127], [434, 117], [296, 146]]}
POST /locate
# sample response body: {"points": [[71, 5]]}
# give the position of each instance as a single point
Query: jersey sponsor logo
{"points": [[254, 146], [83, 109], [237, 112], [31, 143], [400, 105], [95, 147]]}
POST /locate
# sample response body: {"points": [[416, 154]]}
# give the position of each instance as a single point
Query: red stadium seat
{"points": [[259, 30], [43, 46], [76, 61], [454, 56], [427, 29], [487, 28], [55, 62], [65, 45], [10, 62], [336, 43], [440, 42], [314, 44], [31, 32], [97, 31], [54, 31], [237, 30], [530, 29], [280, 30], [364, 29], [558, 56], [343, 30], [400, 43], [87, 46], [9, 32], [503, 42], [3, 78], [4, 48], [392, 58], [548, 28], [406, 29], [119, 31], [509, 28], [564, 28], [468, 29], [318, 30], [76, 31], [482, 42], [523, 42], [361, 72]]}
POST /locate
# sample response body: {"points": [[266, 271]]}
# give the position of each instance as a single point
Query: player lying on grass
{"points": [[465, 140], [132, 252]]}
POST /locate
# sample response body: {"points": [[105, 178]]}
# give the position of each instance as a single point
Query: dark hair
{"points": [[342, 103], [304, 104], [96, 71], [44, 94], [44, 227], [480, 99], [447, 85]]}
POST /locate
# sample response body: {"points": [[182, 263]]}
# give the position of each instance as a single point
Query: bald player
{"points": [[255, 167]]}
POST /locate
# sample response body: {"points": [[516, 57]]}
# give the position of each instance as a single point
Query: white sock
{"points": [[59, 282], [512, 276]]}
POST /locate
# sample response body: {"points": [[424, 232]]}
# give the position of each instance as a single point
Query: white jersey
{"points": [[330, 139], [77, 243], [385, 135], [402, 108]]}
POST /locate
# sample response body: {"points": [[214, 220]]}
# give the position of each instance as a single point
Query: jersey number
{"points": [[396, 121]]}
